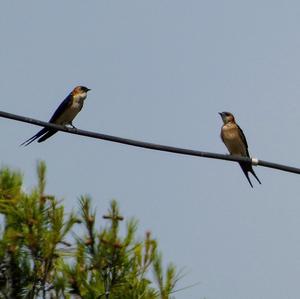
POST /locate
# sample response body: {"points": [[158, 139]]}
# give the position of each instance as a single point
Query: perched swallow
{"points": [[64, 114], [236, 143]]}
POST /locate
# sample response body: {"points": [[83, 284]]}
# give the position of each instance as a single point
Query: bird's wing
{"points": [[58, 112], [66, 103], [242, 135]]}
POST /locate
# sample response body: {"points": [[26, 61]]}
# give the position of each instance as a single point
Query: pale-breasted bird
{"points": [[236, 143], [64, 114]]}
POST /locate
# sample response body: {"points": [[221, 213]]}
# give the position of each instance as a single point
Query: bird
{"points": [[63, 115], [235, 141]]}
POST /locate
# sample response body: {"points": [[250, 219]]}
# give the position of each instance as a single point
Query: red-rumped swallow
{"points": [[64, 114], [236, 143]]}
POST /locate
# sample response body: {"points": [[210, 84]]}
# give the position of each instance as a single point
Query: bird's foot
{"points": [[72, 126]]}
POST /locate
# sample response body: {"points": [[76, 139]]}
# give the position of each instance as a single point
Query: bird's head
{"points": [[227, 117], [80, 91]]}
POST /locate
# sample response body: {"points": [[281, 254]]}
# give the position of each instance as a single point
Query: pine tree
{"points": [[42, 257]]}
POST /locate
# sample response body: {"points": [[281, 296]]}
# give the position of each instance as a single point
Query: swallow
{"points": [[64, 114], [235, 141]]}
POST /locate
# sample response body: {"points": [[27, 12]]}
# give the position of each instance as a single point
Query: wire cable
{"points": [[148, 145]]}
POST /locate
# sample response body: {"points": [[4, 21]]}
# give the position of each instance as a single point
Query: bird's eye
{"points": [[85, 89]]}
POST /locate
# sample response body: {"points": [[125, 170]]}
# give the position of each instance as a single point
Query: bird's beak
{"points": [[221, 113], [88, 89]]}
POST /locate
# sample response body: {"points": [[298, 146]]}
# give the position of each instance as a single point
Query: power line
{"points": [[148, 145]]}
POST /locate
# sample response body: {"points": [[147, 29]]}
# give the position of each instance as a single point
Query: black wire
{"points": [[148, 145]]}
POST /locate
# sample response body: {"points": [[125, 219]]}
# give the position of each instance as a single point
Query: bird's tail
{"points": [[254, 174], [36, 136], [245, 168], [47, 135]]}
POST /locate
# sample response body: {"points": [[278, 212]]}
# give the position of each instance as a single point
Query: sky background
{"points": [[160, 71]]}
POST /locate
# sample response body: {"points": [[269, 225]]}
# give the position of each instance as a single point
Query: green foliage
{"points": [[41, 257]]}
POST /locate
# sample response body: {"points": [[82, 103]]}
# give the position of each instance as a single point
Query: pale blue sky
{"points": [[160, 71]]}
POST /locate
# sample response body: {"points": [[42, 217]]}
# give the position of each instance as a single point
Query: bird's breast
{"points": [[233, 141], [77, 104], [71, 112]]}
